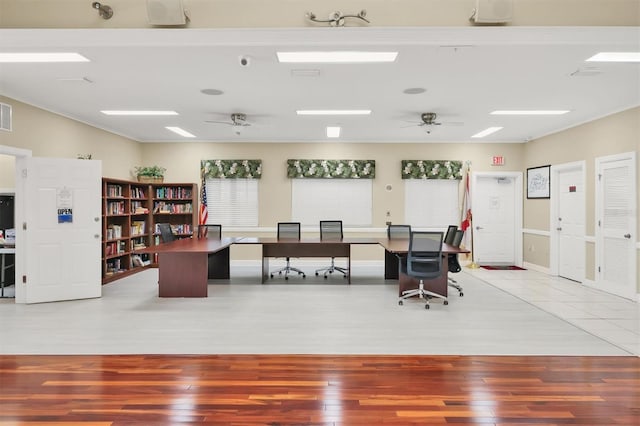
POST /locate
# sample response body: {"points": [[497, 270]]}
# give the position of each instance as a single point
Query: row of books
{"points": [[178, 229], [137, 192], [115, 207], [138, 208], [162, 207], [173, 192], [117, 247], [114, 231], [114, 190], [138, 227]]}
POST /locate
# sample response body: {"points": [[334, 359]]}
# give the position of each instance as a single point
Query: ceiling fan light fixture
{"points": [[336, 57], [487, 132]]}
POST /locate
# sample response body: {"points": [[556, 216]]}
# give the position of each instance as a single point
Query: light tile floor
{"points": [[501, 313]]}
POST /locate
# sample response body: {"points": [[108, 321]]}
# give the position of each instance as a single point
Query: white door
{"points": [[616, 225], [61, 210], [497, 222], [570, 224]]}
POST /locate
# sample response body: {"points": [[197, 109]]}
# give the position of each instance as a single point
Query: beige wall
{"points": [[615, 134], [52, 135], [291, 13]]}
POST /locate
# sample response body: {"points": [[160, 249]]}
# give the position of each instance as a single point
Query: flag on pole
{"points": [[467, 218], [203, 213]]}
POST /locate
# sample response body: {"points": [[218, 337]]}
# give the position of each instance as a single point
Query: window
{"points": [[431, 203], [349, 200], [232, 202]]}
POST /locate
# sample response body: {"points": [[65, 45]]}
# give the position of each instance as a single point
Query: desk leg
{"points": [[219, 265], [182, 274], [391, 266], [265, 266], [349, 264], [2, 275]]}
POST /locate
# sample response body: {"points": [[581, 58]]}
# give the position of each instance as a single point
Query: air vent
{"points": [[492, 11], [5, 117]]}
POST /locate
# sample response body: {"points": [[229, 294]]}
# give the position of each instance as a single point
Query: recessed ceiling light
{"points": [[529, 112], [180, 132], [414, 90], [615, 57], [133, 112], [22, 57], [486, 132], [212, 92], [333, 112], [333, 132], [336, 57]]}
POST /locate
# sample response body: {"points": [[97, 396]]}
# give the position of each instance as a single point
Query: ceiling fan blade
{"points": [[219, 122]]}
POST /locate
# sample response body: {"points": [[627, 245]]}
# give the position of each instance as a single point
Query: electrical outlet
{"points": [[388, 222]]}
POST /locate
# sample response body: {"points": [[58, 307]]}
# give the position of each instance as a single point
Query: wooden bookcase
{"points": [[130, 212]]}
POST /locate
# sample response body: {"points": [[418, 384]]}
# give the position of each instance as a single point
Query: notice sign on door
{"points": [[64, 204]]}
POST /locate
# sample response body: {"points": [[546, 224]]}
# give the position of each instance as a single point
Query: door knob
{"points": [[478, 228], [627, 236], [96, 236], [558, 229]]}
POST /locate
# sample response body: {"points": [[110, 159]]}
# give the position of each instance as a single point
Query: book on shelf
{"points": [[138, 227]]}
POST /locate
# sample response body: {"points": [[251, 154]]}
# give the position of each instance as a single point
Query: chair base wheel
{"points": [[446, 302], [426, 306], [318, 274], [286, 278], [461, 294], [400, 302]]}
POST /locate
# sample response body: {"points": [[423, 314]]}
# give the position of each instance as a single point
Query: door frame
{"points": [[599, 161], [517, 208], [554, 211], [19, 219]]}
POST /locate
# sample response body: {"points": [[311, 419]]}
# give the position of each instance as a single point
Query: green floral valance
{"points": [[431, 169], [331, 169], [231, 169]]}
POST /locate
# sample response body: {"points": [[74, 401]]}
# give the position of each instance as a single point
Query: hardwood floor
{"points": [[318, 390]]}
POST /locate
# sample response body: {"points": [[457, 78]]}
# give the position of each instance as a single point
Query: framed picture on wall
{"points": [[538, 182]]}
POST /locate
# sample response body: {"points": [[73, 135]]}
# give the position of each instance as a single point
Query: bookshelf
{"points": [[130, 212]]}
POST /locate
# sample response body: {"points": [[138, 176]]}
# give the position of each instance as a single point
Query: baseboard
{"points": [[534, 267]]}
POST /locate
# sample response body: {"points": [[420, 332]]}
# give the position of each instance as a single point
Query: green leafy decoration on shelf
{"points": [[231, 169], [431, 169], [331, 169]]}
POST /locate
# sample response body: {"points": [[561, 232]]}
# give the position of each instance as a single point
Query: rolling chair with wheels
{"points": [[331, 230], [450, 235], [288, 231], [454, 265], [213, 232], [424, 262], [399, 232], [166, 233]]}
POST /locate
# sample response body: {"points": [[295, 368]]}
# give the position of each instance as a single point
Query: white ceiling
{"points": [[467, 73]]}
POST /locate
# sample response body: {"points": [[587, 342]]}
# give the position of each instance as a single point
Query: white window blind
{"points": [[232, 202], [431, 203], [349, 200]]}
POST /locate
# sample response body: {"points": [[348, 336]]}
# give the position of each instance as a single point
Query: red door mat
{"points": [[503, 267]]}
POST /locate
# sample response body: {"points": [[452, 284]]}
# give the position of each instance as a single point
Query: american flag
{"points": [[203, 213]]}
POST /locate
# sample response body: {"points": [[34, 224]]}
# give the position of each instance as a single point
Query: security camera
{"points": [[244, 61]]}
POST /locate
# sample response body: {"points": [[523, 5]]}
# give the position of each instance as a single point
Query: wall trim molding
{"points": [[536, 232], [535, 267]]}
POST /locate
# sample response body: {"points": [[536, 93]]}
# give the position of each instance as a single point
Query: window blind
{"points": [[431, 203], [232, 202]]}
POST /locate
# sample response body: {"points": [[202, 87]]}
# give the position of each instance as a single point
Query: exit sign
{"points": [[497, 160]]}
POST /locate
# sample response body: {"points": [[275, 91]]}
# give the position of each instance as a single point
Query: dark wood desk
{"points": [[397, 248], [183, 265], [307, 247]]}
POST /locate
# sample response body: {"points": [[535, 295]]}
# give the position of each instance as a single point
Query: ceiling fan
{"points": [[238, 121], [431, 119]]}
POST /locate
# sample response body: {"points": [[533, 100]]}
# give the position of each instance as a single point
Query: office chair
{"points": [[424, 262], [331, 230], [210, 231], [399, 232], [288, 231], [166, 233], [454, 265], [450, 235]]}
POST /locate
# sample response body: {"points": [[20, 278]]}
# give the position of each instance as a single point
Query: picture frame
{"points": [[539, 182]]}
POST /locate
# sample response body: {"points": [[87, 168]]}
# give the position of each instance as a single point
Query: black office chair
{"points": [[213, 232], [166, 233], [288, 231], [454, 265], [450, 235], [331, 230], [399, 232], [424, 262]]}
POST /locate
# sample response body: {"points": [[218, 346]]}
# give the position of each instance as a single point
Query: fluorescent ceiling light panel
{"points": [[486, 132], [134, 112], [334, 112], [529, 112], [180, 132], [338, 57], [615, 57], [25, 57], [333, 132]]}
